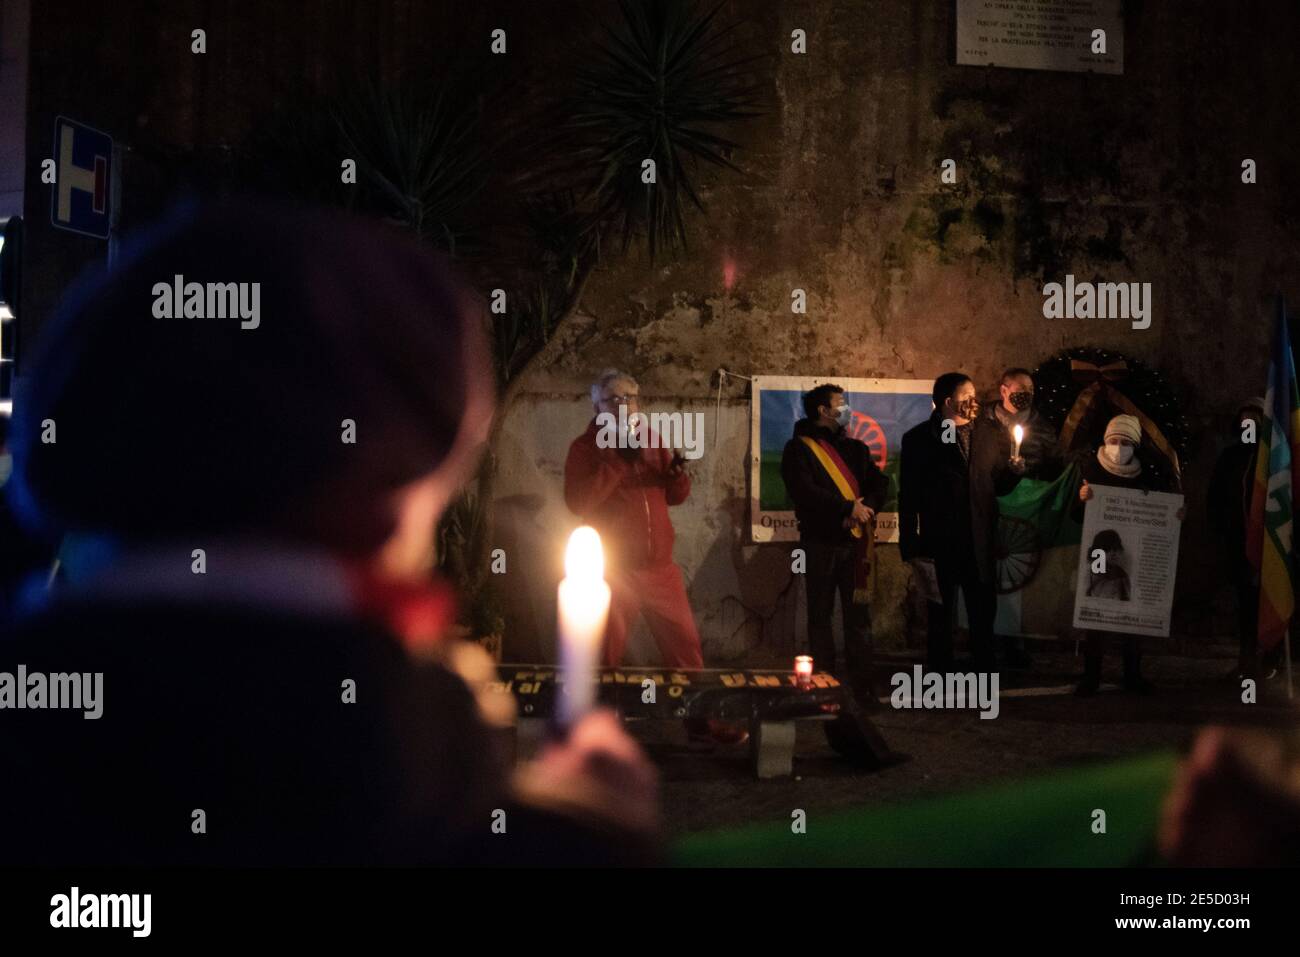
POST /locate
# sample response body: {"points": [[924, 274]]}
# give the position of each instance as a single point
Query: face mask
{"points": [[630, 435], [1119, 454], [843, 415], [968, 408], [1022, 400]]}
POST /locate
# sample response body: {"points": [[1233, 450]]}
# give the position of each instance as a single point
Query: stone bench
{"points": [[770, 702]]}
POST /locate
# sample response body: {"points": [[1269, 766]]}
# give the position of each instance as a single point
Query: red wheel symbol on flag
{"points": [[866, 429]]}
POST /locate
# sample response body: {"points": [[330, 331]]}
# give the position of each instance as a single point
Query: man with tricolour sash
{"points": [[837, 489]]}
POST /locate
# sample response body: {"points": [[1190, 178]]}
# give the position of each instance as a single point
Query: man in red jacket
{"points": [[624, 492]]}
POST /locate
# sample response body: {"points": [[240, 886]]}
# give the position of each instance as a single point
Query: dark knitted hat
{"points": [[164, 426]]}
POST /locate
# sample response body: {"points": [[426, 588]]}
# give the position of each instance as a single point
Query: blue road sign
{"points": [[82, 201]]}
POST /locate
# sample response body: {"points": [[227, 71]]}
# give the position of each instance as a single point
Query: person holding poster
{"points": [[837, 490], [1111, 568]]}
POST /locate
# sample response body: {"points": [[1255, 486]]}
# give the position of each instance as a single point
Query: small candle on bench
{"points": [[803, 669]]}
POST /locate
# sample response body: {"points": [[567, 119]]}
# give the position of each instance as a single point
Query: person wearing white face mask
{"points": [[1116, 464]]}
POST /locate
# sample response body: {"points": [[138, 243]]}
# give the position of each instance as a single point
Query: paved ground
{"points": [[957, 751]]}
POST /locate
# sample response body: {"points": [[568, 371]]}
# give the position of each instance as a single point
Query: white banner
{"points": [[1127, 561]]}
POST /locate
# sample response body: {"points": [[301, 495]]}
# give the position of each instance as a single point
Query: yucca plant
{"points": [[464, 558], [664, 80], [419, 164], [418, 159], [417, 152], [563, 248], [562, 237], [662, 83]]}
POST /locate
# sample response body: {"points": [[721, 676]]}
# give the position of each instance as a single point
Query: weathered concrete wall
{"points": [[1130, 178], [1134, 177]]}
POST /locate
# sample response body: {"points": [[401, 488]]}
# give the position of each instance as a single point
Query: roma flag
{"points": [[1268, 535], [1037, 555]]}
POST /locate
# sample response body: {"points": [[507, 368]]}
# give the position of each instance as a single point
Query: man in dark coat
{"points": [[260, 671], [934, 517], [995, 470], [836, 556], [1228, 509]]}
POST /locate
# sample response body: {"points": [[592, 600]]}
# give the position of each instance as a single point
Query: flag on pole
{"points": [[1268, 534]]}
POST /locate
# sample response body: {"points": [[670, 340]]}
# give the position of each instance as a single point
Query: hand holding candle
{"points": [[583, 610]]}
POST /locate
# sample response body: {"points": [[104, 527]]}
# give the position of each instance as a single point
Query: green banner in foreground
{"points": [[1045, 821]]}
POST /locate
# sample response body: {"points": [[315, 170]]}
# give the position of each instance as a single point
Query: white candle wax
{"points": [[1019, 433], [582, 610]]}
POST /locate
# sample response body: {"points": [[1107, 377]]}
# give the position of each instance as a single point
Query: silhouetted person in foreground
{"points": [[277, 685], [1235, 802]]}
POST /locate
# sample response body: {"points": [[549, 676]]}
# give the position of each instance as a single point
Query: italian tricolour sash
{"points": [[847, 483]]}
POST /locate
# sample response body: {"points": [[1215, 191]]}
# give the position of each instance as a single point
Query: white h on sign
{"points": [[82, 196]]}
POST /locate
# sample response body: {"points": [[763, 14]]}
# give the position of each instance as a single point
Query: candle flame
{"points": [[584, 559], [1019, 432]]}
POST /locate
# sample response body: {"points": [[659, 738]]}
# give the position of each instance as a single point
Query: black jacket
{"points": [[991, 475], [1228, 504], [818, 504], [239, 712], [934, 514]]}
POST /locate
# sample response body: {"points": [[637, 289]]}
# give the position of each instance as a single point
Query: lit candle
{"points": [[1019, 433], [583, 609], [803, 669]]}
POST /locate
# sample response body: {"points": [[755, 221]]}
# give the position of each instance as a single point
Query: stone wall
{"points": [[1119, 178], [1128, 178]]}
